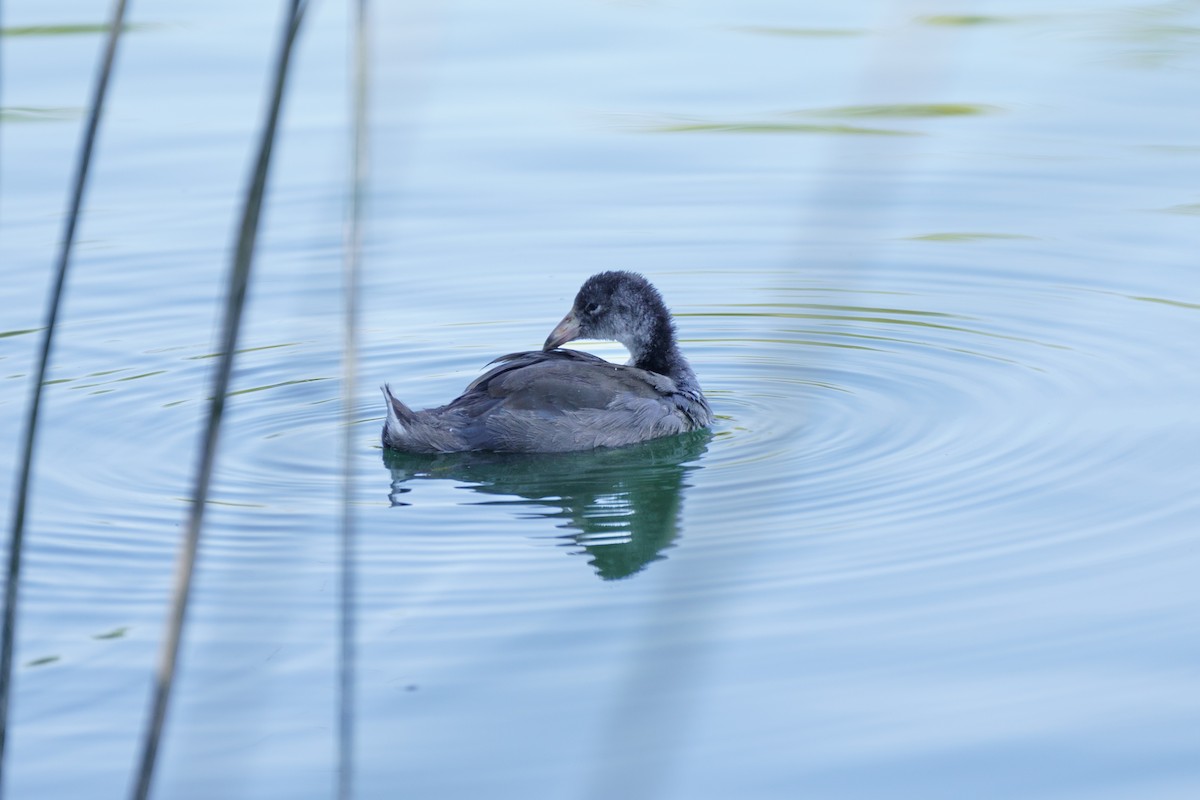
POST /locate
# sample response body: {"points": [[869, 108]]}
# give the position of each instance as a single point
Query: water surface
{"points": [[935, 269]]}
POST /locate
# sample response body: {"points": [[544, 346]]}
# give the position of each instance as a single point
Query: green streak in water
{"points": [[226, 503], [792, 342], [814, 33], [75, 29], [253, 389], [830, 290], [115, 633], [36, 114], [117, 380], [886, 321], [1164, 301], [965, 20], [905, 110], [833, 307], [1192, 209], [1173, 149], [276, 385], [1164, 33], [774, 127], [39, 662], [243, 350], [967, 237], [5, 334], [143, 375]]}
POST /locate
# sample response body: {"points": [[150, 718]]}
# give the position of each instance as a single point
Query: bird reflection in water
{"points": [[621, 505]]}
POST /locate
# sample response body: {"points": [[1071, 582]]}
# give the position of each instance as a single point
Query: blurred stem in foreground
{"points": [[239, 276], [54, 302], [353, 261]]}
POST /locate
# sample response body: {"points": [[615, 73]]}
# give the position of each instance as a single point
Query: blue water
{"points": [[936, 273]]}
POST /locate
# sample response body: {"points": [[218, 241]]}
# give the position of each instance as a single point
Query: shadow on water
{"points": [[621, 505]]}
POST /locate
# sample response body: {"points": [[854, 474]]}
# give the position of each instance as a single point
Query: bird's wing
{"points": [[566, 380]]}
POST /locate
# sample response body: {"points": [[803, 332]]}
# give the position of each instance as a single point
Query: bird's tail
{"points": [[399, 418]]}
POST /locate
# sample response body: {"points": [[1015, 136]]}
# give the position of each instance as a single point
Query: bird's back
{"points": [[552, 401]]}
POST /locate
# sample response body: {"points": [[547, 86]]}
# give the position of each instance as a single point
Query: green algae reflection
{"points": [[807, 33], [39, 114], [788, 123], [966, 20], [968, 237], [904, 110], [75, 29], [43, 661], [115, 633], [770, 126]]}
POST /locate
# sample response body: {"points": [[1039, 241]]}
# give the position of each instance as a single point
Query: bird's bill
{"points": [[564, 332]]}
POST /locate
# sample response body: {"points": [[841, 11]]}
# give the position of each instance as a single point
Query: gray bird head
{"points": [[620, 306]]}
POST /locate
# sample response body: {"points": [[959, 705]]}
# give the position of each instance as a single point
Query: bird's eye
{"points": [[591, 308]]}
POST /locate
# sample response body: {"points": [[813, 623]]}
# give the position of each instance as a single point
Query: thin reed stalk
{"points": [[53, 304], [1, 102], [234, 302], [647, 725], [353, 260]]}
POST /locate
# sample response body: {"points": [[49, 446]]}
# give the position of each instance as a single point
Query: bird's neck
{"points": [[662, 356]]}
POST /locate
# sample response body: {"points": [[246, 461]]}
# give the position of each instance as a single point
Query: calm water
{"points": [[936, 269]]}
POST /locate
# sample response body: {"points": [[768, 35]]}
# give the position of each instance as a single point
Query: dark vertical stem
{"points": [[235, 300], [353, 258], [25, 468], [1, 103]]}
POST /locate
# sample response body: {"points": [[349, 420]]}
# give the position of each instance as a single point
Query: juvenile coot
{"points": [[558, 400]]}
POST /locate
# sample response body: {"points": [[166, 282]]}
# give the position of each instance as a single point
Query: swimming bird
{"points": [[553, 400]]}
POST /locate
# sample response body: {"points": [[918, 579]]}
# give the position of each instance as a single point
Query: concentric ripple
{"points": [[890, 411]]}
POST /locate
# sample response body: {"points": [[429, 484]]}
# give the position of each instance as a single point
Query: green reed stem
{"points": [[53, 304], [234, 302]]}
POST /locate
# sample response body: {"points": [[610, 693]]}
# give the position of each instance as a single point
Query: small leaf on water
{"points": [[115, 633], [965, 19], [38, 662]]}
